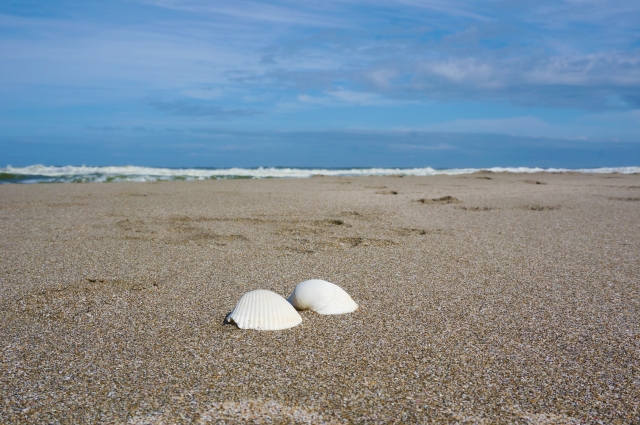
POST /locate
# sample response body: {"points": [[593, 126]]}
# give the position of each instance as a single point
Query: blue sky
{"points": [[332, 83]]}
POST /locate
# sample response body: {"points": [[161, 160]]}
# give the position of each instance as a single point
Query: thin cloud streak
{"points": [[251, 10], [191, 109]]}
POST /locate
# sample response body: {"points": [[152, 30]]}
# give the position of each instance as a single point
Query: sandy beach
{"points": [[484, 298]]}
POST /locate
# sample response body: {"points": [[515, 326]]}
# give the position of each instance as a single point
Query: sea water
{"points": [[69, 173]]}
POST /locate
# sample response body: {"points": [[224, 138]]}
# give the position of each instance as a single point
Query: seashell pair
{"points": [[266, 310]]}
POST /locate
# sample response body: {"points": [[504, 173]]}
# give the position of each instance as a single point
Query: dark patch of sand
{"points": [[442, 200]]}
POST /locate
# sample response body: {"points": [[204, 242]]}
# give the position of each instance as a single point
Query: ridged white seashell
{"points": [[265, 311], [322, 297]]}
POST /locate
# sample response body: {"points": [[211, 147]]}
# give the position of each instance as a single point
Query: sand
{"points": [[498, 298]]}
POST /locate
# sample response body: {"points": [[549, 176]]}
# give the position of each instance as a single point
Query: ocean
{"points": [[86, 174]]}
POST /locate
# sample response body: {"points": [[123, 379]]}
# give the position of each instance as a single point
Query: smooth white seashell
{"points": [[322, 297], [264, 310]]}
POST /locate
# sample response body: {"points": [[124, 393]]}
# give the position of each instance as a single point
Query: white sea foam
{"points": [[69, 173]]}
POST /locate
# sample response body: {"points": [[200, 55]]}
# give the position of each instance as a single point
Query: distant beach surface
{"points": [[484, 296]]}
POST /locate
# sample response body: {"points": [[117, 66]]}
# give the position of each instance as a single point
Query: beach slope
{"points": [[483, 298]]}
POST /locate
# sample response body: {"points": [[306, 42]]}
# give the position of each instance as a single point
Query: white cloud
{"points": [[343, 97], [357, 98], [205, 94], [253, 11]]}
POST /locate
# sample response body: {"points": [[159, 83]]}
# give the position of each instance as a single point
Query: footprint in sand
{"points": [[476, 208], [626, 199], [443, 200], [540, 207]]}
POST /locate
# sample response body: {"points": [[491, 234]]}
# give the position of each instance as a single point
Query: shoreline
{"points": [[108, 174]]}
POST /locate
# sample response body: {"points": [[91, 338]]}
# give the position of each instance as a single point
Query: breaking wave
{"points": [[80, 174]]}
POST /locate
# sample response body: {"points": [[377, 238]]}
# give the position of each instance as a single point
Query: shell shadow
{"points": [[228, 322]]}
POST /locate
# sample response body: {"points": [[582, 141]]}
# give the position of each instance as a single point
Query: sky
{"points": [[407, 83]]}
